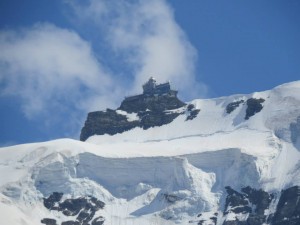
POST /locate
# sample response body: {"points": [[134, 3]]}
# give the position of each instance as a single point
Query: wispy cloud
{"points": [[54, 72], [146, 33], [59, 78]]}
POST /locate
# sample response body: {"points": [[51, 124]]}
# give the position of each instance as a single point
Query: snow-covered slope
{"points": [[173, 174]]}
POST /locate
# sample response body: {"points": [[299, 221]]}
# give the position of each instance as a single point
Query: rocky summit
{"points": [[155, 107]]}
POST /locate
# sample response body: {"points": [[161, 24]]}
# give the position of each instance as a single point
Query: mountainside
{"points": [[225, 161]]}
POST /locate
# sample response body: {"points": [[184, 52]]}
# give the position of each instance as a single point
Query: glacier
{"points": [[178, 173]]}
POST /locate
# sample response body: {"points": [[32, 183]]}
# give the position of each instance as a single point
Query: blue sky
{"points": [[60, 59]]}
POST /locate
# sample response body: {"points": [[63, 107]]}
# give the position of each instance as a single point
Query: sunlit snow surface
{"points": [[163, 175]]}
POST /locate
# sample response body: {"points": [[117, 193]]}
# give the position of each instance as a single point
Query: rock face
{"points": [[83, 208], [48, 221], [152, 108], [106, 122], [192, 112], [254, 205], [253, 106], [288, 208], [233, 105], [153, 103], [249, 201]]}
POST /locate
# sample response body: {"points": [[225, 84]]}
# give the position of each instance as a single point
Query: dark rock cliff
{"points": [[250, 201], [256, 204], [288, 208], [151, 103], [106, 122], [81, 210], [152, 108], [253, 106], [150, 112], [233, 105]]}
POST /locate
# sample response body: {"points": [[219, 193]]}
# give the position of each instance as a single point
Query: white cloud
{"points": [[49, 67], [59, 78], [55, 74], [147, 33]]}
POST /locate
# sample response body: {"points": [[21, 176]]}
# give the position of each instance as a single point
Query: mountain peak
{"points": [[149, 109], [223, 161]]}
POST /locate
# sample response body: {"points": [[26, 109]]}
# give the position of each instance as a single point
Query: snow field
{"points": [[163, 175]]}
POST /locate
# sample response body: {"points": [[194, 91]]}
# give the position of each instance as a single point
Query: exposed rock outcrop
{"points": [[233, 105], [249, 202], [157, 103], [288, 208], [255, 205], [49, 221], [192, 112], [253, 106], [152, 108], [83, 208], [106, 122]]}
